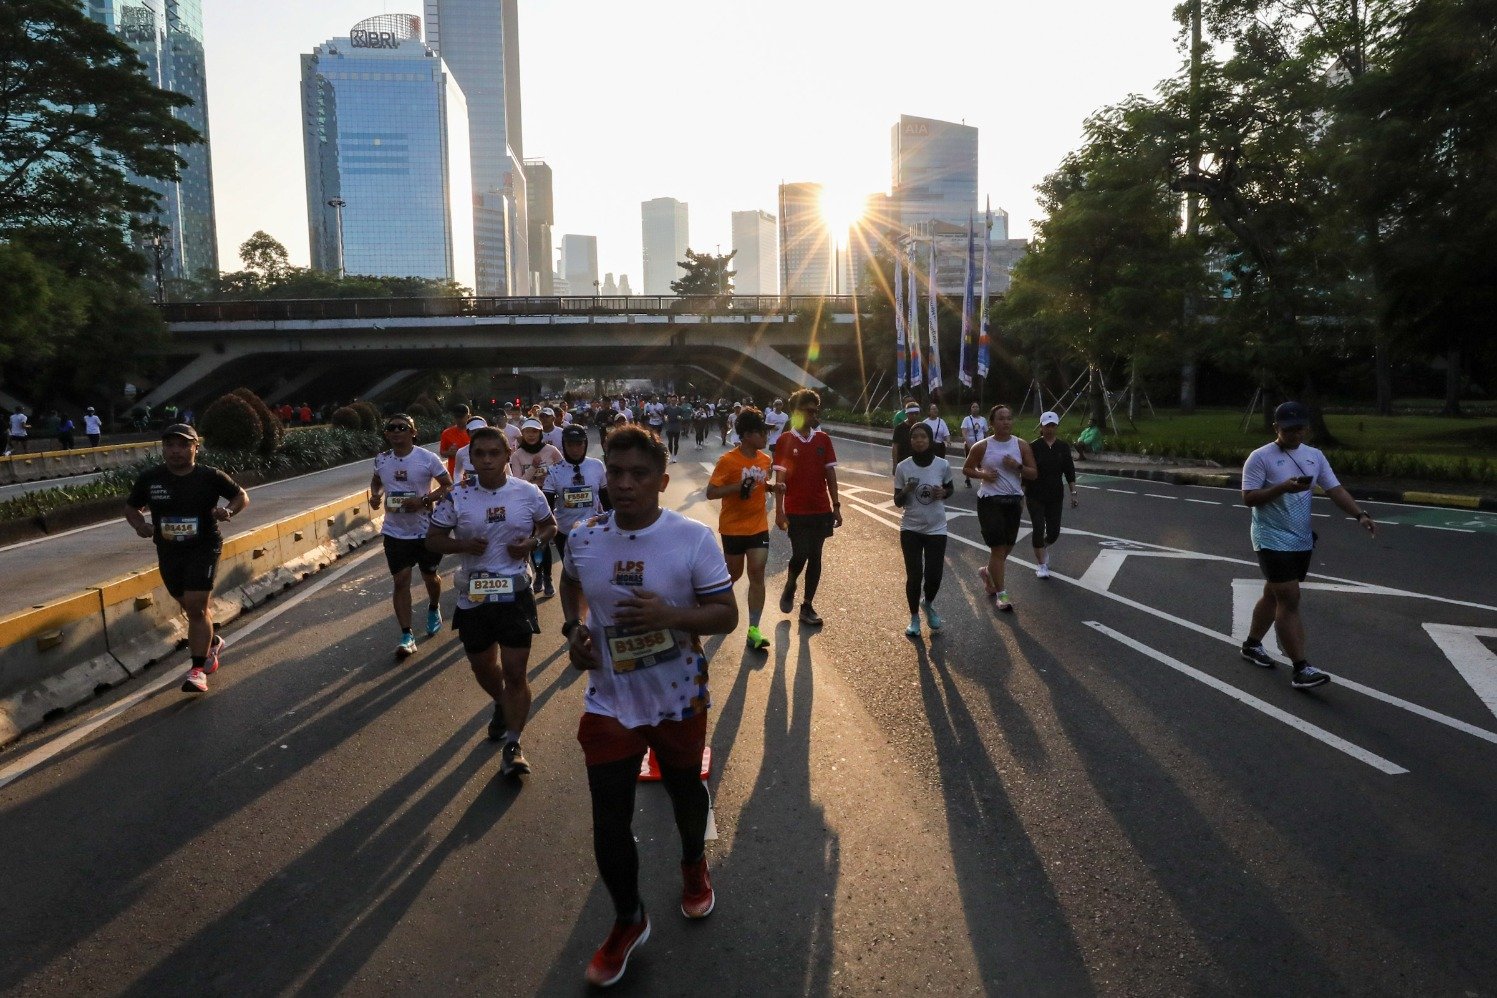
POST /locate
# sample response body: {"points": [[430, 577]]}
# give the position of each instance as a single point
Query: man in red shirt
{"points": [[809, 509], [454, 438]]}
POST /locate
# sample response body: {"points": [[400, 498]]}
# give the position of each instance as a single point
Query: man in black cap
{"points": [[183, 498], [1276, 485]]}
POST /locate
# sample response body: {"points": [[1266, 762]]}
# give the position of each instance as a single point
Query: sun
{"points": [[841, 210]]}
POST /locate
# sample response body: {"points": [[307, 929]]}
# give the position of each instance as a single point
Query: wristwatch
{"points": [[569, 626]]}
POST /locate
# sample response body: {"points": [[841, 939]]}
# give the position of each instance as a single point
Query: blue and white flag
{"points": [[913, 301], [931, 320], [901, 358], [969, 328], [984, 343]]}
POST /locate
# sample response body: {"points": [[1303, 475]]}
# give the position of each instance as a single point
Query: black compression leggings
{"points": [[918, 548], [673, 441], [805, 553], [612, 787], [1044, 517]]}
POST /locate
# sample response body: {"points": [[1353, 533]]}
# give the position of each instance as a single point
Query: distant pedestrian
{"points": [[922, 484], [93, 426], [940, 433], [899, 449], [1045, 495], [1002, 463], [974, 428], [65, 430], [20, 432]]}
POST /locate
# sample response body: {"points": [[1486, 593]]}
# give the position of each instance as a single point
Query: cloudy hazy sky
{"points": [[709, 101]]}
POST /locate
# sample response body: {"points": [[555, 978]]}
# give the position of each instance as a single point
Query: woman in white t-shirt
{"points": [[922, 484]]}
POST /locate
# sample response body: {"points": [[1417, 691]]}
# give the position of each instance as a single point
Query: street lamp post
{"points": [[338, 204]]}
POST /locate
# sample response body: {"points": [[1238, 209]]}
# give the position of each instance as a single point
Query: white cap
{"points": [[1049, 419], [548, 411], [531, 424], [476, 422]]}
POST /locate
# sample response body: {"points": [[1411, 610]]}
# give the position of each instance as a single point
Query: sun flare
{"points": [[841, 210]]}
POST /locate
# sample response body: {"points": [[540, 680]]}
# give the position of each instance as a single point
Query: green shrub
{"points": [[231, 423], [348, 418], [370, 418], [272, 430]]}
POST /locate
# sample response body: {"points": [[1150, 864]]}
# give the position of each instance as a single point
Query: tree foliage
{"points": [[705, 274], [269, 274]]}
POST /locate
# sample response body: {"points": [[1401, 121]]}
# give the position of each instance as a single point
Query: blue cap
{"points": [[1291, 415]]}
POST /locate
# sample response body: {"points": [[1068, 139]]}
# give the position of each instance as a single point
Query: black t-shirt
{"points": [[902, 447], [182, 505]]}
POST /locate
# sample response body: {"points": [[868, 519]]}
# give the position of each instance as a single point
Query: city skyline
{"points": [[606, 155]]}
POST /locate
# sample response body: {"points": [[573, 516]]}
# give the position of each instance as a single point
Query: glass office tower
{"points": [[756, 249], [385, 132], [167, 35], [806, 250], [663, 228], [935, 171]]}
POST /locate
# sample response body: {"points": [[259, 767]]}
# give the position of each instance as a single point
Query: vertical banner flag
{"points": [[969, 331], [983, 341], [911, 299], [930, 319], [901, 360]]}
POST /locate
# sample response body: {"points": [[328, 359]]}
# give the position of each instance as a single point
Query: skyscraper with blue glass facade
{"points": [[385, 131], [935, 171], [167, 35]]}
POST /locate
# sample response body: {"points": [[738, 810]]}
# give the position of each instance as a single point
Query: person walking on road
{"points": [[403, 477], [1002, 463], [20, 432], [1045, 495], [65, 429], [675, 423], [974, 428], [740, 480], [1277, 479], [639, 587], [531, 461], [93, 426], [577, 487], [922, 484], [939, 431], [454, 438], [183, 496], [494, 523], [899, 447], [808, 509]]}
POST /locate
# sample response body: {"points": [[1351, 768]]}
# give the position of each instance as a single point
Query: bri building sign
{"points": [[386, 31]]}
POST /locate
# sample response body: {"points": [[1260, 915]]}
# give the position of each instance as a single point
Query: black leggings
{"points": [[1044, 517], [805, 554], [673, 441], [931, 549], [612, 787], [701, 428]]}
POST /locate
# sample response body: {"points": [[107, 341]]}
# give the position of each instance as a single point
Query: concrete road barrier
{"points": [[57, 655], [80, 461]]}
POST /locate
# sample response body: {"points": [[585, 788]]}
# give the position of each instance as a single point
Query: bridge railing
{"points": [[418, 308]]}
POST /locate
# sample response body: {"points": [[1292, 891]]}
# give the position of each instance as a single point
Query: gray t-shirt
{"points": [[1284, 523], [925, 513]]}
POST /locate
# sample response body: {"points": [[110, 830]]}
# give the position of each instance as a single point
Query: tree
{"points": [[706, 275]]}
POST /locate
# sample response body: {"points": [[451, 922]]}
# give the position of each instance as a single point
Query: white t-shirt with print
{"points": [[407, 477], [1284, 523], [502, 516], [93, 425], [939, 431], [774, 424], [575, 501], [974, 428], [925, 511]]}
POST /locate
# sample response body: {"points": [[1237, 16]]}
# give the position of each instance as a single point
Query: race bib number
{"points": [[394, 500], [179, 528], [634, 650], [486, 587], [580, 498]]}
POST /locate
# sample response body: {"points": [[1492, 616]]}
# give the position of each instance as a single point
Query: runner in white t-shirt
{"points": [[775, 421], [640, 586], [402, 481], [495, 523], [577, 488], [974, 428]]}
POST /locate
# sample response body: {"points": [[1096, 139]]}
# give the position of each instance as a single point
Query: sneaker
{"points": [[1001, 601], [808, 615], [497, 727], [913, 631], [1255, 654], [406, 648], [513, 762], [538, 585], [933, 618], [1307, 676], [612, 958], [196, 681], [214, 647], [433, 621], [987, 584], [756, 639], [697, 897], [1042, 571], [968, 481], [549, 589], [787, 599]]}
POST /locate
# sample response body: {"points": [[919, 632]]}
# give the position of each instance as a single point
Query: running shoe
{"points": [[968, 481], [196, 681], [1254, 653], [756, 639], [1001, 601], [933, 618], [406, 648], [612, 958], [808, 615], [549, 589], [538, 585], [697, 897], [1307, 676], [214, 647], [1042, 571], [987, 584], [787, 599], [433, 620], [913, 631], [513, 763], [497, 727]]}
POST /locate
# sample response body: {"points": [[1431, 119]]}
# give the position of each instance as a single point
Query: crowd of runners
{"points": [[512, 493]]}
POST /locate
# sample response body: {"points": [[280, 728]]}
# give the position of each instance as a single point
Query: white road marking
{"points": [[1472, 659], [1125, 492], [860, 471], [1104, 568], [1094, 488], [1453, 530], [1320, 734], [708, 466], [44, 753], [1326, 516], [1156, 495], [1205, 502]]}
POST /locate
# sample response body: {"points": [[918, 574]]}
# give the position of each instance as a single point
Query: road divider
{"points": [[18, 468], [60, 654]]}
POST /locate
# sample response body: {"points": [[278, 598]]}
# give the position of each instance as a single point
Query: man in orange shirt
{"points": [[741, 481], [454, 438]]}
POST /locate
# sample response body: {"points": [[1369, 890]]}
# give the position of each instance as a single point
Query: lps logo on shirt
{"points": [[628, 573], [496, 514], [400, 475]]}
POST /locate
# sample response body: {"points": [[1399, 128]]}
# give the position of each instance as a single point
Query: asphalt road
{"points": [[1092, 795]]}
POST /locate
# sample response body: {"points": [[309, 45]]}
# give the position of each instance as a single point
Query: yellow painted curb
{"points": [[1442, 499]]}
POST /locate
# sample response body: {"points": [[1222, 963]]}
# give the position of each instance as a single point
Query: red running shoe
{"points": [[612, 958], [214, 647], [697, 897]]}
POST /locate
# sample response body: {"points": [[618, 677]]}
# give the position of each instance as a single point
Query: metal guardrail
{"points": [[421, 308]]}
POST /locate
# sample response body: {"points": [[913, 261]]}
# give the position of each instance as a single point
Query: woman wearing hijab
{"points": [[530, 462], [922, 484]]}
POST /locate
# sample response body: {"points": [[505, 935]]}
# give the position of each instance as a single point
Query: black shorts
{"points": [[1284, 566], [998, 518], [809, 526], [508, 625], [401, 553], [736, 544], [188, 567]]}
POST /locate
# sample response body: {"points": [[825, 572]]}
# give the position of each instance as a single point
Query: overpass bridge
{"points": [[337, 348]]}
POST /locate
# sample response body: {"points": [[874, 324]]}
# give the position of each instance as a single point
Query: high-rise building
{"points": [[541, 215], [624, 288], [663, 227], [579, 264], [167, 35], [935, 171], [806, 250], [385, 134], [873, 234], [479, 40], [756, 260]]}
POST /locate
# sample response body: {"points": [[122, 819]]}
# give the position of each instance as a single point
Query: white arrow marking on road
{"points": [[1472, 659], [1104, 568], [1245, 593]]}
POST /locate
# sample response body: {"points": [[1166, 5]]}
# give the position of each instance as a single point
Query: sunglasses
{"points": [[397, 428]]}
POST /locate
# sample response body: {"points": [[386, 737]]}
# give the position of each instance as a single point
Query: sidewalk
{"points": [[1182, 472]]}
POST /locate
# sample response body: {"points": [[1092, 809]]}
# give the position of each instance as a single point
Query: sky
{"points": [[711, 102]]}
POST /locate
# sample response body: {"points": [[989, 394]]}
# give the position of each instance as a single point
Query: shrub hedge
{"points": [[231, 423]]}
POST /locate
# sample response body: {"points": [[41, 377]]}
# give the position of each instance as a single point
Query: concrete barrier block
{"points": [[52, 657], [141, 620]]}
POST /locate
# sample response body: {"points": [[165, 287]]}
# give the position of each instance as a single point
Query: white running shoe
{"points": [[1042, 572]]}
